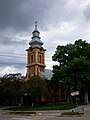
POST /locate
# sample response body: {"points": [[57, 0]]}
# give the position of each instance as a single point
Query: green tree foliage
{"points": [[10, 89], [14, 88], [37, 88], [74, 65]]}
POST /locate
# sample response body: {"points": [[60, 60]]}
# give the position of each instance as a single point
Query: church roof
{"points": [[35, 41], [47, 74]]}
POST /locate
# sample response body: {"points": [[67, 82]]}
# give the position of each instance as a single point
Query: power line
{"points": [[4, 62], [12, 53], [16, 55], [13, 56], [11, 63]]}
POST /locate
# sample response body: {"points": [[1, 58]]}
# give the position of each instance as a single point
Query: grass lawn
{"points": [[44, 107], [78, 114]]}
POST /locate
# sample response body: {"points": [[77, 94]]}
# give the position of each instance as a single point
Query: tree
{"points": [[74, 66], [10, 88], [36, 88]]}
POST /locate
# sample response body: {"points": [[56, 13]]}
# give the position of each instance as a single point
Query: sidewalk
{"points": [[50, 112], [46, 115]]}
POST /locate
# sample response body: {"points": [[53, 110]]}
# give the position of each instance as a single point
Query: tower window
{"points": [[31, 58], [40, 58]]}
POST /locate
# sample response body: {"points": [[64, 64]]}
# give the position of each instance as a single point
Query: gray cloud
{"points": [[12, 52], [87, 12], [60, 21], [20, 14], [15, 64], [11, 41], [12, 59]]}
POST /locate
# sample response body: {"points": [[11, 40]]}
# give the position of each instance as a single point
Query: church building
{"points": [[35, 55], [36, 64]]}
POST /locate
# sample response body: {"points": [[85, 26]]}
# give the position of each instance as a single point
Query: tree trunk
{"points": [[53, 97], [21, 100], [86, 97]]}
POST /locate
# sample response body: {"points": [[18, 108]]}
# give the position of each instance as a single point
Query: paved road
{"points": [[49, 115]]}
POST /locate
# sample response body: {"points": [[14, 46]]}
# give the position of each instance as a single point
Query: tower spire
{"points": [[36, 25], [36, 42]]}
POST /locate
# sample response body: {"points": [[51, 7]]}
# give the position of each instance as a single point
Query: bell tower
{"points": [[35, 55]]}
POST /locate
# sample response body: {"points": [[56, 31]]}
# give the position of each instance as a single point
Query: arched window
{"points": [[40, 59], [31, 58]]}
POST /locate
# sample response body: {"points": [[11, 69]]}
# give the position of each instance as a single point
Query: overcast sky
{"points": [[60, 22]]}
